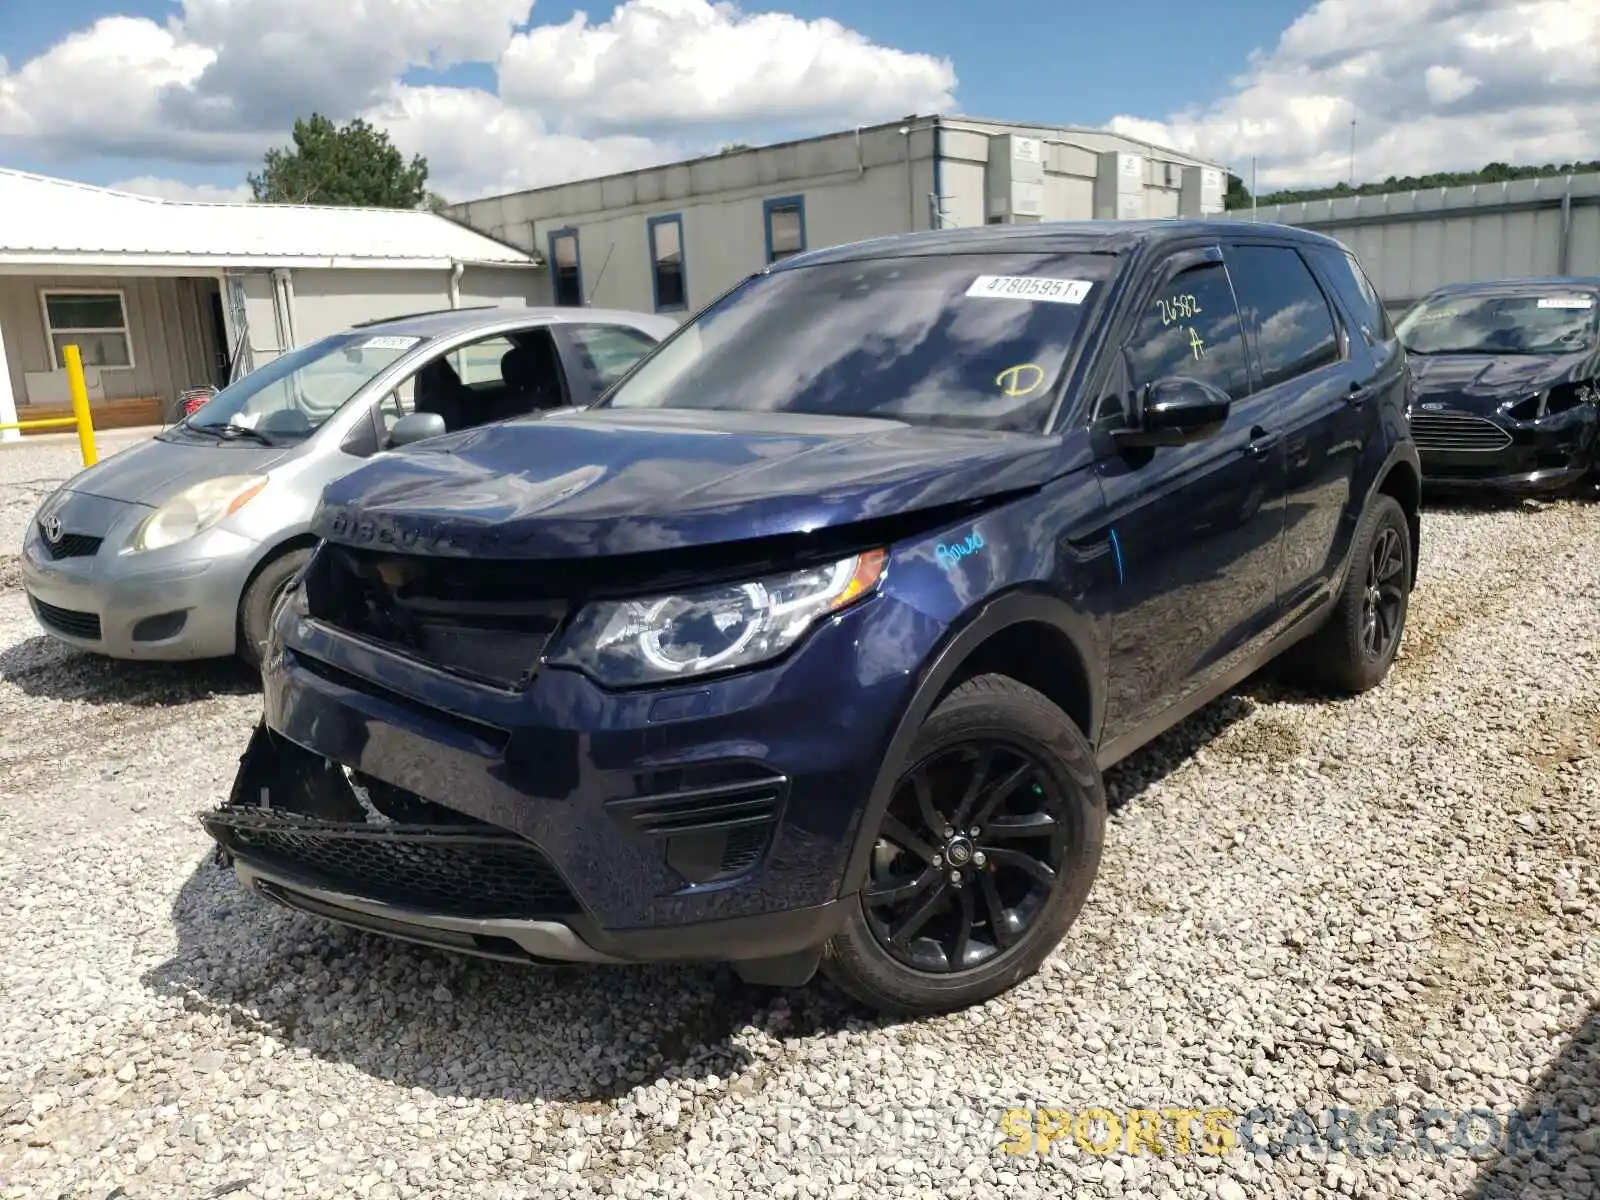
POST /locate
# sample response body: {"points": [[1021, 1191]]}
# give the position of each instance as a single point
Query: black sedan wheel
{"points": [[983, 859]]}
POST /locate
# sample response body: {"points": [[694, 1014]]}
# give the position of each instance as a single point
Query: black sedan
{"points": [[1506, 384]]}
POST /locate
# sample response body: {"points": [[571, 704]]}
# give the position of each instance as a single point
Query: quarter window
{"points": [[786, 227], [1340, 268], [605, 352], [666, 263], [96, 322], [1285, 311], [566, 269], [1190, 329]]}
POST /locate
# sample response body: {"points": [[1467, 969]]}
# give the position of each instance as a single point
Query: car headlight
{"points": [[196, 509], [623, 643]]}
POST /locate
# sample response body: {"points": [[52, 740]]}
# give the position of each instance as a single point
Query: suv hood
{"points": [[611, 481], [1482, 383], [153, 472]]}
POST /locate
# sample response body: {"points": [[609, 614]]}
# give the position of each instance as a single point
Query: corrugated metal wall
{"points": [[170, 329], [1413, 242]]}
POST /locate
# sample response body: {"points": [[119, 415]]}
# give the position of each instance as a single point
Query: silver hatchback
{"points": [[178, 547]]}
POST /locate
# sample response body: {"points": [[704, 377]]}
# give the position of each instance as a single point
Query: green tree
{"points": [[352, 164], [1238, 195]]}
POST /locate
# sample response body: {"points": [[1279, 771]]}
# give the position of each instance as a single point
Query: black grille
{"points": [[71, 545], [484, 621], [452, 870], [710, 832], [84, 625], [1457, 432]]}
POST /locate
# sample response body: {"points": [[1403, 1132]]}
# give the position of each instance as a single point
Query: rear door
{"points": [[1313, 376], [598, 354], [1196, 529]]}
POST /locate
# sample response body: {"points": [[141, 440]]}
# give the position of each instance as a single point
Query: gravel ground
{"points": [[1389, 901]]}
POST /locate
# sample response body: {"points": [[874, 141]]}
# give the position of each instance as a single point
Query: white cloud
{"points": [[1433, 85], [223, 81], [690, 62], [172, 189]]}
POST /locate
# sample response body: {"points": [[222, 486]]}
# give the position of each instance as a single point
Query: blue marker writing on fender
{"points": [[948, 556]]}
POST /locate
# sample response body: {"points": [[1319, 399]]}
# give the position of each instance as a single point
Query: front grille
{"points": [[453, 870], [486, 621], [1455, 431], [71, 545], [84, 625]]}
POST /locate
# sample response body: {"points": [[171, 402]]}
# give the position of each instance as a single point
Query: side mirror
{"points": [[1174, 411], [415, 428]]}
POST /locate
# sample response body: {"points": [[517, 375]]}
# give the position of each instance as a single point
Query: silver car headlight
{"points": [[624, 643], [194, 510]]}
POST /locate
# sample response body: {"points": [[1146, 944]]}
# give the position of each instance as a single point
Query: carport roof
{"points": [[58, 223]]}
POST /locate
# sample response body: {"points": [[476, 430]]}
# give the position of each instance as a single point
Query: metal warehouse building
{"points": [[671, 238], [161, 296], [1413, 242]]}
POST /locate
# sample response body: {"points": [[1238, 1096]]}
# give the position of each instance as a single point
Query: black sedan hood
{"points": [[609, 481], [1484, 383]]}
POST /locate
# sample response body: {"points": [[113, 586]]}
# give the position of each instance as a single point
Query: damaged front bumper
{"points": [[318, 838]]}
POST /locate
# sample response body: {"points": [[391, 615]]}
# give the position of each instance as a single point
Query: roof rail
{"points": [[427, 312]]}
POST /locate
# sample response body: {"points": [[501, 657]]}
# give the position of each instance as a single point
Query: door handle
{"points": [[1262, 443]]}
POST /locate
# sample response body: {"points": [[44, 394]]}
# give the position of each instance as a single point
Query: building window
{"points": [[786, 226], [666, 262], [96, 322], [566, 269]]}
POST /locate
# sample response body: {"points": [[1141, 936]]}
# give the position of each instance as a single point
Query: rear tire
{"points": [[997, 758], [1355, 647], [259, 600]]}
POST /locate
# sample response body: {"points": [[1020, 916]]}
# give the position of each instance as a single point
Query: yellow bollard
{"points": [[80, 404]]}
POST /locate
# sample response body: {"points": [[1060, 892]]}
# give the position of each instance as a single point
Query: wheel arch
{"points": [[1403, 481], [1036, 639], [302, 540]]}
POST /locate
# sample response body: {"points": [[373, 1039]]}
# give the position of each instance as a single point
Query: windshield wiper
{"points": [[231, 432]]}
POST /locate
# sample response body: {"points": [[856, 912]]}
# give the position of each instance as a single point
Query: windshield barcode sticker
{"points": [[390, 343], [1023, 287], [1567, 302]]}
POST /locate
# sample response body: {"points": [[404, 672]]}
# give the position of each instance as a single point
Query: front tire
{"points": [[989, 846], [1354, 649], [260, 598]]}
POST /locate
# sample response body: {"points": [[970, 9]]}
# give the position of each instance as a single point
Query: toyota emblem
{"points": [[52, 529]]}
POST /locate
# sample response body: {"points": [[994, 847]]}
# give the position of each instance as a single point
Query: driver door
{"points": [[1197, 529]]}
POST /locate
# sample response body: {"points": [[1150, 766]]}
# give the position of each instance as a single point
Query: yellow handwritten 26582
{"points": [[1020, 380], [1177, 308]]}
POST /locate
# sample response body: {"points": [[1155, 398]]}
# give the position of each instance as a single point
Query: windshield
{"points": [[972, 341], [295, 393], [1546, 323]]}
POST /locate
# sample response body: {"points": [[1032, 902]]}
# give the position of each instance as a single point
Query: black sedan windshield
{"points": [[973, 341], [1554, 322]]}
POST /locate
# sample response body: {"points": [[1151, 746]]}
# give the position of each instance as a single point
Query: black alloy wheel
{"points": [[966, 857], [1384, 601], [980, 859]]}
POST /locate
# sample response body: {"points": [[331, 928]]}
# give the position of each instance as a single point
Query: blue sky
{"points": [[195, 94]]}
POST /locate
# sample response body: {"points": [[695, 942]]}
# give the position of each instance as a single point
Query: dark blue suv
{"points": [[808, 643]]}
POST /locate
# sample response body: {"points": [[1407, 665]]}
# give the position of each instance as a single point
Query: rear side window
{"points": [[1190, 328], [605, 352], [1355, 291], [1285, 312]]}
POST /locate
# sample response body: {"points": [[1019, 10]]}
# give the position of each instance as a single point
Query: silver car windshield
{"points": [[1553, 322], [292, 396]]}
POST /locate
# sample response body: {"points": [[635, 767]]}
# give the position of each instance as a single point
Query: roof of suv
{"points": [[1050, 237]]}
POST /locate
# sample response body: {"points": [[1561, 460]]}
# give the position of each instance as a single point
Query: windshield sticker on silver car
{"points": [[390, 343], [1567, 302], [1023, 287]]}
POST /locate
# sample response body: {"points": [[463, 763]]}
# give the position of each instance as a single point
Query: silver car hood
{"points": [[152, 472]]}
